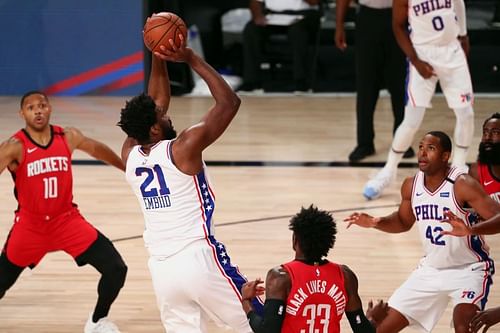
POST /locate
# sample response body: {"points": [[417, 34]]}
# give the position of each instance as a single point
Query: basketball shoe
{"points": [[375, 186], [104, 325]]}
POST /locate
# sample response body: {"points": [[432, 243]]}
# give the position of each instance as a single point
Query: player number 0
{"points": [[437, 22]]}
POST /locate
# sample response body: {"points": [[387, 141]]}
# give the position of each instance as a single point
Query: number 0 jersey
{"points": [[43, 180], [177, 207], [432, 22], [428, 208], [317, 298]]}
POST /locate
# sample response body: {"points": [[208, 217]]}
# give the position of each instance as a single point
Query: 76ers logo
{"points": [[468, 294], [466, 97]]}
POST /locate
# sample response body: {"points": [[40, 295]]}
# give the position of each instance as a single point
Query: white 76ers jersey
{"points": [[177, 207], [444, 251], [432, 22]]}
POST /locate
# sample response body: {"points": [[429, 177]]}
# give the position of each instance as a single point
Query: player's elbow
{"points": [[232, 103]]}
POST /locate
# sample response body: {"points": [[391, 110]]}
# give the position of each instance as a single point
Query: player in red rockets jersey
{"points": [[310, 293], [486, 171], [46, 220]]}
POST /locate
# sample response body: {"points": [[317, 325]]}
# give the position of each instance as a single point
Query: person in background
{"points": [[379, 63], [300, 34], [437, 50], [47, 220]]}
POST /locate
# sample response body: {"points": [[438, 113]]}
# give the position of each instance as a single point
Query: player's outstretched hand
{"points": [[376, 313], [459, 228], [180, 53], [424, 69], [362, 219], [251, 289], [485, 319]]}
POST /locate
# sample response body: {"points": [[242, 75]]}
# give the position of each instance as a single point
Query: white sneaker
{"points": [[104, 325], [375, 186]]}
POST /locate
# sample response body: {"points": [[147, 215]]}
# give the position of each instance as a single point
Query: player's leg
{"points": [[25, 246], [104, 257], [252, 56], [419, 92], [368, 62], [9, 273], [299, 35], [419, 300], [176, 282], [220, 292], [470, 289], [86, 245], [462, 316], [456, 83]]}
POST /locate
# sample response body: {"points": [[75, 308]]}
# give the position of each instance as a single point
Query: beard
{"points": [[489, 153], [169, 133]]}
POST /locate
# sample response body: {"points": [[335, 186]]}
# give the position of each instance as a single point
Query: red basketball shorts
{"points": [[32, 237]]}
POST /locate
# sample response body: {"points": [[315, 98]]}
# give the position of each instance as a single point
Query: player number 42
{"points": [[434, 235]]}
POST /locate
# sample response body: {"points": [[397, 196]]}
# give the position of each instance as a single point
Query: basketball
{"points": [[161, 27]]}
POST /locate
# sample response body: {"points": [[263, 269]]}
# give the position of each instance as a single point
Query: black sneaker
{"points": [[361, 152], [409, 153]]}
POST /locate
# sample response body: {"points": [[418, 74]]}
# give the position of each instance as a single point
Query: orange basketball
{"points": [[161, 27]]}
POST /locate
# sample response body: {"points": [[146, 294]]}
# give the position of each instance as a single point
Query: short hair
{"points": [[444, 140], [137, 117], [495, 115], [32, 92], [315, 232]]}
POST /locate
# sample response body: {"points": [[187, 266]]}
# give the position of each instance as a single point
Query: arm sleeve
{"points": [[461, 17], [272, 319], [359, 323]]}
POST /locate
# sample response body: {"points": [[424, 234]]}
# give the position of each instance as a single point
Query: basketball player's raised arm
{"points": [[159, 84], [189, 145], [96, 149], [354, 307], [399, 221], [10, 152]]}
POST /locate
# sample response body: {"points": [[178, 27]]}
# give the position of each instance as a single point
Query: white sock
{"points": [[464, 131], [404, 136]]}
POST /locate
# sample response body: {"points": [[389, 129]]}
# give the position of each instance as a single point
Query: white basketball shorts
{"points": [[196, 285], [424, 296], [450, 65]]}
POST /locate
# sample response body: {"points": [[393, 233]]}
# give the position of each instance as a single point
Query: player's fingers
{"points": [[476, 324]]}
